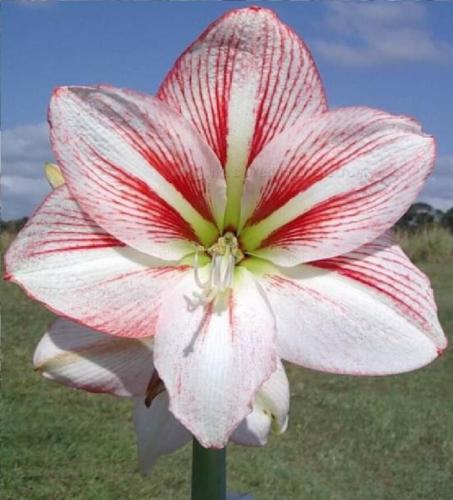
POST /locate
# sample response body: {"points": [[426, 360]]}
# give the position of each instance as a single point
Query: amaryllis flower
{"points": [[237, 221], [76, 356]]}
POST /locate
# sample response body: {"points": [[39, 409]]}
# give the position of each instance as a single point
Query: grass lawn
{"points": [[349, 438]]}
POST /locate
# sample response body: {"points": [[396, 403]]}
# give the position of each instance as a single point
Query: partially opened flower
{"points": [[79, 357], [236, 220]]}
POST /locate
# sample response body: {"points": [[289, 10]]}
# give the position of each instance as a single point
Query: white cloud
{"points": [[370, 33], [25, 149]]}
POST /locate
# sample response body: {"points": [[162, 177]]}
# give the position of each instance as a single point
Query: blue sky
{"points": [[396, 56]]}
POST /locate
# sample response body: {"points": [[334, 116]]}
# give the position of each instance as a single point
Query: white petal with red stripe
{"points": [[137, 168], [214, 359], [76, 269], [245, 80], [327, 186], [370, 312], [77, 356]]}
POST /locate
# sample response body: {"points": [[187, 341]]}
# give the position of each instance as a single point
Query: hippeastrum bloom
{"points": [[236, 220], [79, 357]]}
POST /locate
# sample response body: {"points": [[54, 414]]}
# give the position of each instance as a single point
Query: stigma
{"points": [[225, 254]]}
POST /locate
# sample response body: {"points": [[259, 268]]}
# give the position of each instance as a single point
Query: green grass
{"points": [[429, 244], [349, 438]]}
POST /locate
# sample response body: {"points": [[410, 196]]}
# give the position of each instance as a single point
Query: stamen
{"points": [[196, 266], [217, 267], [228, 277], [225, 255]]}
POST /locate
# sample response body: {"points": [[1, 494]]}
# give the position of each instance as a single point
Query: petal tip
{"points": [[258, 8], [442, 348], [60, 91]]}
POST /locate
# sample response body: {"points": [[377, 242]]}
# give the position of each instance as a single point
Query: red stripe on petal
{"points": [[332, 184], [358, 314], [278, 281], [140, 202], [64, 260], [302, 167], [245, 47], [382, 266], [161, 138], [136, 167]]}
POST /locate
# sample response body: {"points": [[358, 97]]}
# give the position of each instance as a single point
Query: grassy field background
{"points": [[348, 439]]}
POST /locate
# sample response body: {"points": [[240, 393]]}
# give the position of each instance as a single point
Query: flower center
{"points": [[225, 254]]}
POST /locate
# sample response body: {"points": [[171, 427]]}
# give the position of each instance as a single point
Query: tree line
{"points": [[422, 215]]}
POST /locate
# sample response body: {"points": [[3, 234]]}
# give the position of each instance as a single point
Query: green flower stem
{"points": [[208, 473]]}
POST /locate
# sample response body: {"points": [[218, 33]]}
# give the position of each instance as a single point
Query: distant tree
{"points": [[447, 219], [420, 215], [13, 226]]}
